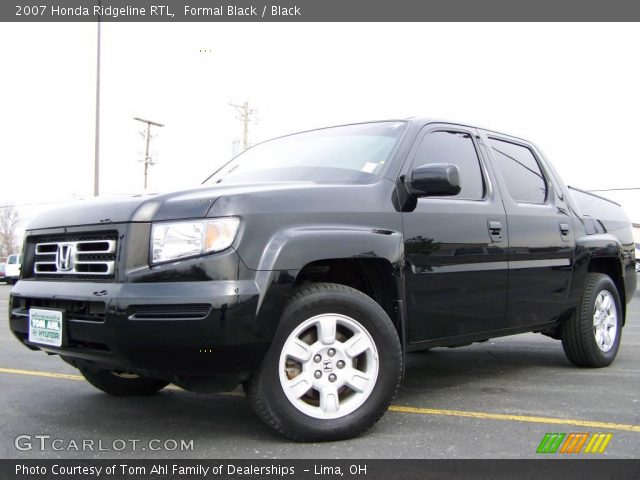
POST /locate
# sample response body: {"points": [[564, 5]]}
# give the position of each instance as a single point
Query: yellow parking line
{"points": [[403, 409], [66, 376], [516, 418], [33, 373]]}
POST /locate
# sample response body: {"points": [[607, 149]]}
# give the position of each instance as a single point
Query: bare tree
{"points": [[9, 222]]}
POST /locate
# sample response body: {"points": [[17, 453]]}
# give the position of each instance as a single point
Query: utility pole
{"points": [[147, 158], [244, 115], [96, 158]]}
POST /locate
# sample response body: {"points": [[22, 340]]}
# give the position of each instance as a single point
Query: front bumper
{"points": [[153, 329]]}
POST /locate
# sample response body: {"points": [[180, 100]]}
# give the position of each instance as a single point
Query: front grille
{"points": [[73, 309], [85, 256]]}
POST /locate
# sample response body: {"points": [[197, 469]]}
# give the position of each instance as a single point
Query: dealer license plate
{"points": [[45, 327]]}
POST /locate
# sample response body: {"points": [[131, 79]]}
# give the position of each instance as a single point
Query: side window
{"points": [[521, 171], [458, 149]]}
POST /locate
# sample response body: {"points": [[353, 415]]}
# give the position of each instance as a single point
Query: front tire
{"points": [[591, 337], [122, 384], [332, 369]]}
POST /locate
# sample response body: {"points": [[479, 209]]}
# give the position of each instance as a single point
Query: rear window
{"points": [[521, 171]]}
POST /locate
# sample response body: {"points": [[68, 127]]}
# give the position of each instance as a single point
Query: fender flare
{"points": [[289, 250], [594, 247], [293, 248]]}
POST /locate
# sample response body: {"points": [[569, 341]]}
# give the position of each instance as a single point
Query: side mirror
{"points": [[435, 180]]}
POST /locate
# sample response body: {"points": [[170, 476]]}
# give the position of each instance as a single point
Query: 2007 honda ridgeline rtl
{"points": [[305, 269]]}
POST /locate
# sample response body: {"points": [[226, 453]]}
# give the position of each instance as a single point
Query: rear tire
{"points": [[332, 369], [591, 337], [122, 384]]}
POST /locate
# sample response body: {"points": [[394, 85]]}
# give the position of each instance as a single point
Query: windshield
{"points": [[348, 154], [13, 259]]}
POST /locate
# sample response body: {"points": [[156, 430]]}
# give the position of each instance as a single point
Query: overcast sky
{"points": [[573, 89]]}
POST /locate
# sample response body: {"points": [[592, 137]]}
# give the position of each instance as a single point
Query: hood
{"points": [[183, 204]]}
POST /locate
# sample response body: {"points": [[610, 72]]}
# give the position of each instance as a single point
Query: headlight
{"points": [[175, 240]]}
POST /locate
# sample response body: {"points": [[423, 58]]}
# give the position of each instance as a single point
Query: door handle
{"points": [[495, 230], [564, 229]]}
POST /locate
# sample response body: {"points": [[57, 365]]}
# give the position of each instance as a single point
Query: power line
{"points": [[16, 205], [35, 204], [613, 189], [67, 200]]}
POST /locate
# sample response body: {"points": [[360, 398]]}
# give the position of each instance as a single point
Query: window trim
{"points": [[549, 190], [483, 169]]}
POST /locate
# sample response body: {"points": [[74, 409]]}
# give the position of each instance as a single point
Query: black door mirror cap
{"points": [[435, 180]]}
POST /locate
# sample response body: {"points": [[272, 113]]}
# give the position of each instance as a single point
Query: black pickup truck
{"points": [[308, 266]]}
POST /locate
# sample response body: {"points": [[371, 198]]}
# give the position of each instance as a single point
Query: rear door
{"points": [[541, 237], [455, 247]]}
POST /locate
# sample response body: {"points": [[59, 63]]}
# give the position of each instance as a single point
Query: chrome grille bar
{"points": [[76, 258], [88, 246]]}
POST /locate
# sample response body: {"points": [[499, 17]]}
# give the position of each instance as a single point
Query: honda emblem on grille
{"points": [[64, 257]]}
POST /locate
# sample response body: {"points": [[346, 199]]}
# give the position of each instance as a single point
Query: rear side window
{"points": [[521, 171], [456, 148]]}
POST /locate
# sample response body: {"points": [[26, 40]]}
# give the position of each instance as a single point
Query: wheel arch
{"points": [[612, 267], [601, 253], [375, 277], [364, 258]]}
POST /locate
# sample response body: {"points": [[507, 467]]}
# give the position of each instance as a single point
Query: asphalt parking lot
{"points": [[492, 400]]}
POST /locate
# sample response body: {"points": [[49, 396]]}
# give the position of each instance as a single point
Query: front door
{"points": [[455, 247]]}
